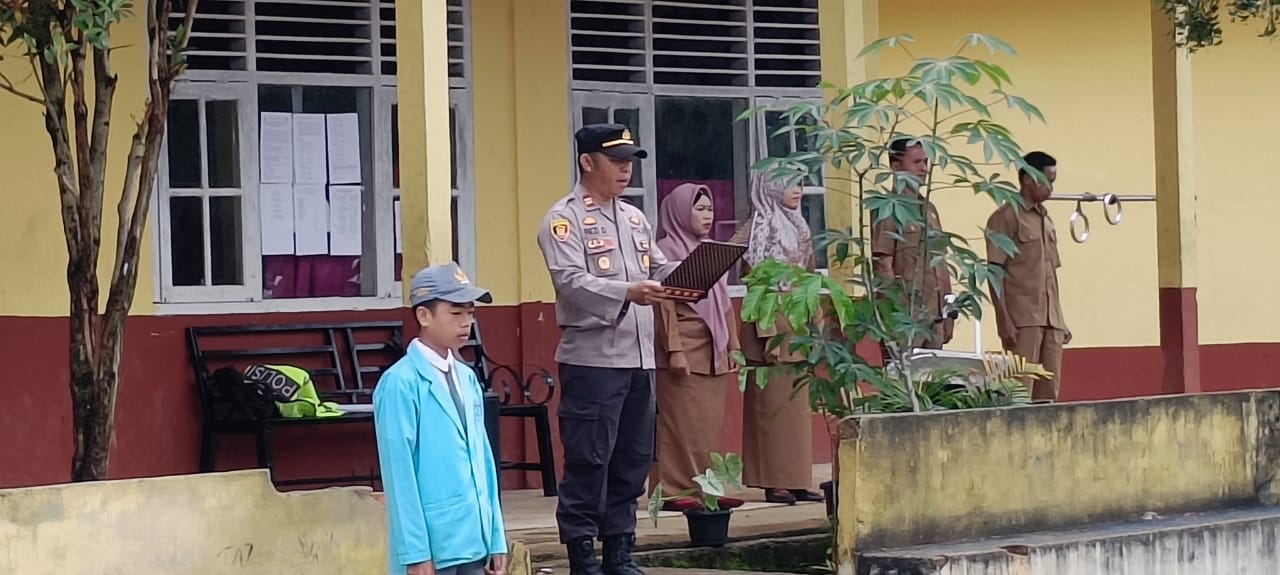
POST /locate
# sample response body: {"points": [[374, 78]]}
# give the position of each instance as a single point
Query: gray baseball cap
{"points": [[445, 282]]}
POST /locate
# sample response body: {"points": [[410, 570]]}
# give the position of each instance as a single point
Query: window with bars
{"points": [[679, 72], [250, 57], [746, 43]]}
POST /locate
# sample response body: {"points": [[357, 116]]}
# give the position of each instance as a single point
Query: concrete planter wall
{"points": [[918, 479]]}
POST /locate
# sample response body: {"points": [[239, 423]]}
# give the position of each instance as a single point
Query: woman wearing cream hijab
{"points": [[777, 430]]}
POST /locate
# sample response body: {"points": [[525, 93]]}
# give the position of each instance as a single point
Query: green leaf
{"points": [[887, 42], [992, 43], [1003, 242]]}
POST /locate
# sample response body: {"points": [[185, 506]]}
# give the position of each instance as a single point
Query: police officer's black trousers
{"points": [[606, 428]]}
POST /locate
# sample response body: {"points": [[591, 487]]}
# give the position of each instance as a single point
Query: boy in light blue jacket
{"points": [[437, 465]]}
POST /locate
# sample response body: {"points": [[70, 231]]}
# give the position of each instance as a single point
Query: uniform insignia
{"points": [[626, 134], [588, 202], [560, 229], [603, 263], [588, 221], [644, 261], [644, 246], [635, 220], [594, 243], [597, 245], [461, 276], [421, 292]]}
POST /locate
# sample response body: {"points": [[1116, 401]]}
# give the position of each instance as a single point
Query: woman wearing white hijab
{"points": [[777, 428]]}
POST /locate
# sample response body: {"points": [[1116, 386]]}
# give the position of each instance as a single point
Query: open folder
{"points": [[698, 273]]}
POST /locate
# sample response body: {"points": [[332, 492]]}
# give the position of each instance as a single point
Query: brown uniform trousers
{"points": [[1031, 289]]}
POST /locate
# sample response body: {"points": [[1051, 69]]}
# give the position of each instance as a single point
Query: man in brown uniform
{"points": [[900, 258], [1028, 310], [605, 267]]}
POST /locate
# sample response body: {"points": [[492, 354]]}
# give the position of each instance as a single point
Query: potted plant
{"points": [[944, 105], [708, 522]]}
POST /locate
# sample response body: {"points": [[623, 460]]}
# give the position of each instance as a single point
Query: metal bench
{"points": [[345, 361]]}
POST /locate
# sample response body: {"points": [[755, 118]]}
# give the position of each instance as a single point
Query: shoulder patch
{"points": [[560, 229]]}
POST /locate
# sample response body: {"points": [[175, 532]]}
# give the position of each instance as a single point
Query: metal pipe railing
{"points": [[1112, 210]]}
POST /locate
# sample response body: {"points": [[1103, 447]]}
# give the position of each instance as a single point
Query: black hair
{"points": [[898, 148], [702, 193], [1038, 160], [431, 305]]}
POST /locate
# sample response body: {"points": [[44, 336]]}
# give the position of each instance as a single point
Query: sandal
{"points": [[779, 496], [806, 495]]}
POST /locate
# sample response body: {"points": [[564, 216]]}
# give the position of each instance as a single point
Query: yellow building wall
{"points": [[522, 130], [1234, 90], [33, 250], [1086, 65]]}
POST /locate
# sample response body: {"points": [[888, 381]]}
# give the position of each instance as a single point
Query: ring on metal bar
{"points": [[1080, 236], [1108, 201]]}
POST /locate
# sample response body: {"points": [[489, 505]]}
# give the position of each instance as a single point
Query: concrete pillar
{"points": [[426, 162], [845, 28], [543, 130], [1176, 234]]}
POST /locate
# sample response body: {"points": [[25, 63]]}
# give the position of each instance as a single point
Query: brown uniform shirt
{"points": [[1031, 280], [906, 257], [679, 328], [594, 252]]}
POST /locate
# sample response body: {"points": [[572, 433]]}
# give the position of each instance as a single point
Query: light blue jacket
{"points": [[441, 484]]}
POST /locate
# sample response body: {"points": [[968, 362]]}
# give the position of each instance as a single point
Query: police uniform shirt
{"points": [[594, 252]]}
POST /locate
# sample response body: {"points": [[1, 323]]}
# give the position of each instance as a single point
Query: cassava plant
{"points": [[944, 105], [68, 46]]}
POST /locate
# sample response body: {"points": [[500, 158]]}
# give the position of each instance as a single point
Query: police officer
{"points": [[603, 261]]}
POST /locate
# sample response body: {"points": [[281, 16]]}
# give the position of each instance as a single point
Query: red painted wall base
{"points": [[158, 427]]}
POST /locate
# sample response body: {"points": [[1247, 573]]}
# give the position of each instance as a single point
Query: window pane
{"points": [[630, 117], [325, 274], [780, 144], [699, 141], [184, 144], [275, 99], [814, 209], [225, 251], [222, 125], [395, 146], [453, 213], [453, 149], [595, 116], [186, 240], [637, 201]]}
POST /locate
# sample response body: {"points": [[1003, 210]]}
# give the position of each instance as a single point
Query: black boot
{"points": [[617, 555], [582, 557]]}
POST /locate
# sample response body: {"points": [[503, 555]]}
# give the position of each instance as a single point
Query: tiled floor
{"points": [[530, 517]]}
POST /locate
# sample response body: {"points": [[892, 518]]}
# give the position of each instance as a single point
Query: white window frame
{"points": [[246, 98], [615, 101], [644, 96], [243, 86]]}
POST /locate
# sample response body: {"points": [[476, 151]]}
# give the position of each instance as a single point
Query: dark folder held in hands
{"points": [[698, 273]]}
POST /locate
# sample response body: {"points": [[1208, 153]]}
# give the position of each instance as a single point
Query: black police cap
{"points": [[613, 140]]}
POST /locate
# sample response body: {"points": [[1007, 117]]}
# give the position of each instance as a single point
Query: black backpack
{"points": [[251, 400]]}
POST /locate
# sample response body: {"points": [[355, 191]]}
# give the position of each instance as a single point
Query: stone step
{"points": [[1243, 541]]}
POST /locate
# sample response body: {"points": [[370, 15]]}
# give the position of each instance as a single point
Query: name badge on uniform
{"points": [[597, 245], [644, 261], [644, 245], [560, 229]]}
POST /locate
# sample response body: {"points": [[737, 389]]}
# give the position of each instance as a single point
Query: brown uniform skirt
{"points": [[777, 432]]}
